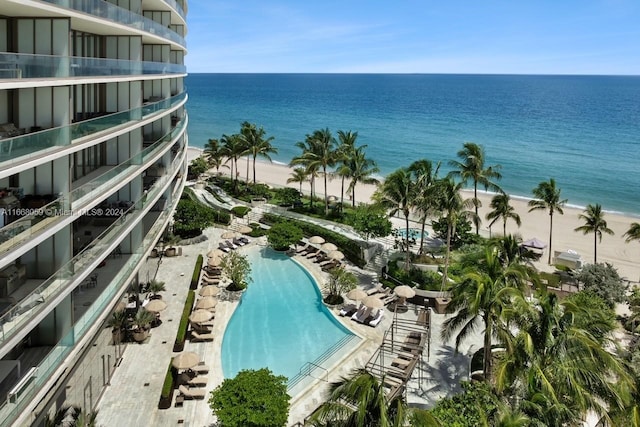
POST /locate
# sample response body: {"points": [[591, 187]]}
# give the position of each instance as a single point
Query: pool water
{"points": [[414, 233], [281, 322]]}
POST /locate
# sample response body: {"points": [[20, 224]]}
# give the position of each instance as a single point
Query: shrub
{"points": [[283, 234], [191, 217], [195, 277], [254, 397], [351, 249], [240, 211], [604, 281], [167, 387], [237, 268], [184, 322]]}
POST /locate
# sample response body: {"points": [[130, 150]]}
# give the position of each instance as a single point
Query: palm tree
{"points": [[594, 223], [324, 154], [562, 361], [361, 170], [397, 194], [633, 233], [257, 145], [485, 291], [425, 177], [471, 167], [344, 153], [233, 148], [502, 209], [450, 203], [360, 400], [214, 154], [298, 175], [547, 197], [307, 161]]}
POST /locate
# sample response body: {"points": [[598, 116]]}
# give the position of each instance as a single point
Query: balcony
{"points": [[60, 212], [24, 147], [39, 301], [32, 388], [175, 6], [105, 10], [28, 66]]}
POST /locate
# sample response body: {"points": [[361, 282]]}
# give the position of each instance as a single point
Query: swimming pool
{"points": [[281, 322], [414, 233]]}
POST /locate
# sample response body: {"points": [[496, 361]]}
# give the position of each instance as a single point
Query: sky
{"points": [[414, 36]]}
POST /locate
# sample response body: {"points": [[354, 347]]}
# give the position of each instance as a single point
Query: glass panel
{"points": [[177, 8], [117, 14], [13, 150], [27, 66]]}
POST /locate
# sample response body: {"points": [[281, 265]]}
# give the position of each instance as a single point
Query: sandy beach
{"points": [[613, 249]]}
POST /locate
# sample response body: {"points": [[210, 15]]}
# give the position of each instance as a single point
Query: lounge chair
{"points": [[362, 314], [223, 247], [348, 310], [198, 381], [389, 299], [200, 368], [238, 242], [230, 245], [244, 239], [209, 281], [313, 253], [195, 336], [332, 264], [189, 393], [376, 289], [374, 322]]}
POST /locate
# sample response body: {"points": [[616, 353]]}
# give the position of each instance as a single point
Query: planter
{"points": [[154, 253], [171, 252], [441, 305], [421, 267], [432, 294], [165, 402], [140, 335], [178, 346]]}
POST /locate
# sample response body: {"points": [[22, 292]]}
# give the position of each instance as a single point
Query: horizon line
{"points": [[416, 73]]}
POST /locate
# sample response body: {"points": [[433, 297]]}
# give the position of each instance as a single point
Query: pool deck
{"points": [[132, 397]]}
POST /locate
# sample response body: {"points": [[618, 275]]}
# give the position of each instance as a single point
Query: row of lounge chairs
{"points": [[363, 314], [230, 245], [318, 256], [192, 382]]}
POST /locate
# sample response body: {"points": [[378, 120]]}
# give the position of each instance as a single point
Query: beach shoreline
{"points": [[613, 249]]}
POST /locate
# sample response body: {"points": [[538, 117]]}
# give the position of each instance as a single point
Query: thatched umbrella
{"points": [[214, 261], [185, 360], [245, 229], [215, 253], [372, 302], [155, 305], [328, 247], [206, 303], [208, 291], [199, 316], [337, 255], [316, 240], [229, 234], [356, 294]]}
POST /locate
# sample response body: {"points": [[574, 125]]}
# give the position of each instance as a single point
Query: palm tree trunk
{"points": [[312, 185], [550, 234], [504, 228], [254, 170], [406, 237], [342, 194], [424, 222], [488, 332], [353, 196], [595, 248], [476, 220], [450, 232], [326, 196], [247, 180]]}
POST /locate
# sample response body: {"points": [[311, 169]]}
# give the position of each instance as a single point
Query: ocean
{"points": [[583, 131]]}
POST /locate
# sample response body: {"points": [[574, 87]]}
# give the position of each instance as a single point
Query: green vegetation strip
{"points": [[184, 320], [195, 277]]}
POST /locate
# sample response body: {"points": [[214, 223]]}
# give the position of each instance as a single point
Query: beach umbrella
{"points": [[185, 360], [245, 229], [208, 291], [155, 305], [206, 303], [356, 294], [534, 243], [316, 240], [404, 291], [228, 235], [337, 255], [199, 316], [215, 253], [328, 247], [214, 261], [372, 302]]}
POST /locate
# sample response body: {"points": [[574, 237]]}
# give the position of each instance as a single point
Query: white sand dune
{"points": [[613, 249]]}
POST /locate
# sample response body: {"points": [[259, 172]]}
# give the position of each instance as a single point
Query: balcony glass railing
{"points": [[120, 15], [177, 7], [28, 66], [11, 409], [20, 148], [20, 315], [80, 200]]}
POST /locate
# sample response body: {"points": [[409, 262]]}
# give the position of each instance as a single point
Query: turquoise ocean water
{"points": [[584, 131]]}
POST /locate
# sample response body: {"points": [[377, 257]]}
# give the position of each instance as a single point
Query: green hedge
{"points": [[184, 322], [195, 277], [166, 394], [240, 211], [351, 249]]}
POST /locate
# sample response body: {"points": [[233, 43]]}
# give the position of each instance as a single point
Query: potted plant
{"points": [[142, 321], [237, 268], [118, 324], [172, 240], [340, 281], [156, 286]]}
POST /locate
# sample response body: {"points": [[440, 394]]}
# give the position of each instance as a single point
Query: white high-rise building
{"points": [[92, 163]]}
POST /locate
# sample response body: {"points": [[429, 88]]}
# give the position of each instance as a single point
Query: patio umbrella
{"points": [[185, 360], [372, 302], [245, 229], [199, 316], [337, 255], [356, 294], [534, 243], [316, 240], [328, 247], [404, 292], [213, 261], [208, 291], [214, 253], [228, 235], [155, 305], [206, 303]]}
